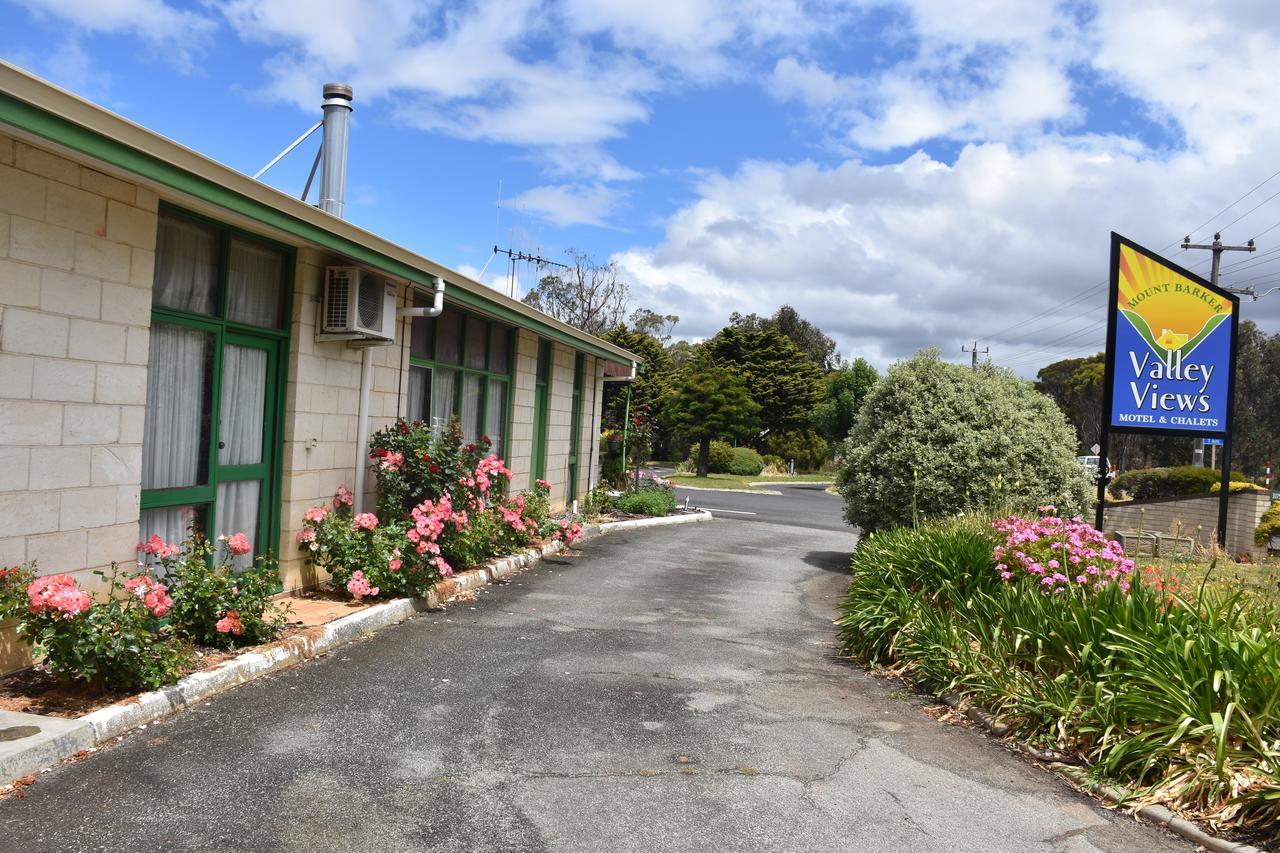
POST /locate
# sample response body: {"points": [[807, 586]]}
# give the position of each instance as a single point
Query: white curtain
{"points": [[449, 337], [446, 391], [237, 512], [495, 418], [172, 524], [500, 349], [186, 275], [471, 385], [419, 393], [255, 279], [244, 402], [476, 343], [174, 438]]}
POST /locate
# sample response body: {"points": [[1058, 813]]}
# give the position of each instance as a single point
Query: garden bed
{"points": [[1159, 678]]}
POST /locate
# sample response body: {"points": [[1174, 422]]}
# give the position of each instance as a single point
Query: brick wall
{"points": [[1195, 517], [77, 251]]}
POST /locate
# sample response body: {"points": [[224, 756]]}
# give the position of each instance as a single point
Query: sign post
{"points": [[1171, 357]]}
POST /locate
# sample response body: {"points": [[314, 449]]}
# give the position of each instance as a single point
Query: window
{"points": [[460, 367], [211, 431]]}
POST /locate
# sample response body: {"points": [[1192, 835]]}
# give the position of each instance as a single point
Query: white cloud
{"points": [[181, 32], [567, 204], [889, 259]]}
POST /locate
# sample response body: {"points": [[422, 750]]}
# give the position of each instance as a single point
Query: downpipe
{"points": [[366, 390]]}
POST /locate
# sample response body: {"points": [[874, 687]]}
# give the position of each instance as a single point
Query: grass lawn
{"points": [[734, 481], [1261, 580]]}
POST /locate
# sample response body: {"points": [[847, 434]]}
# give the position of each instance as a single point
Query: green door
{"points": [[211, 444], [541, 398]]}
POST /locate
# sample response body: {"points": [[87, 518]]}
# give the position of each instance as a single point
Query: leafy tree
{"points": [[820, 349], [651, 384], [653, 324], [782, 380], [846, 387], [1255, 430], [681, 352], [588, 295], [709, 403], [934, 439]]}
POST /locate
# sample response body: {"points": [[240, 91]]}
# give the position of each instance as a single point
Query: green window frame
{"points": [[541, 410], [224, 332], [481, 343]]}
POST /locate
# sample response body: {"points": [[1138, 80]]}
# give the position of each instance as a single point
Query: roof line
{"points": [[38, 107]]}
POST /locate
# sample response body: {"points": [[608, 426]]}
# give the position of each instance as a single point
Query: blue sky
{"points": [[907, 174]]}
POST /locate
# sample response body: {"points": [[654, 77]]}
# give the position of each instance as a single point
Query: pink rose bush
{"points": [[115, 640], [442, 503], [1058, 553], [207, 581]]}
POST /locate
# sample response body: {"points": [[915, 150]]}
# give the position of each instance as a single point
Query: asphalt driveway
{"points": [[668, 690]]}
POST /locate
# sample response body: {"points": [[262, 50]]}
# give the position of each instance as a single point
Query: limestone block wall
{"points": [[520, 443], [321, 405], [77, 253], [1195, 516], [559, 421], [589, 438]]}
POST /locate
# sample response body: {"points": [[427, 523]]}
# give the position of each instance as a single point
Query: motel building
{"points": [[179, 340]]}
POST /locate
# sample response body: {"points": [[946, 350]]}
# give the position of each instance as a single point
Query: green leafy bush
{"points": [[214, 604], [653, 502], [120, 641], [934, 439], [1269, 525], [1237, 486], [805, 446], [773, 461], [1170, 482], [1157, 688], [745, 462], [721, 457]]}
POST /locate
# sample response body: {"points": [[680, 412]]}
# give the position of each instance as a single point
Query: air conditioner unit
{"points": [[357, 304]]}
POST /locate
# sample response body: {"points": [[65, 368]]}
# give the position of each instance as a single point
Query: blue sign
{"points": [[1217, 441], [1171, 347]]}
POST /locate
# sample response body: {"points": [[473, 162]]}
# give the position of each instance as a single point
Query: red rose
{"points": [[435, 469], [485, 439], [426, 457], [404, 428], [471, 448], [379, 452]]}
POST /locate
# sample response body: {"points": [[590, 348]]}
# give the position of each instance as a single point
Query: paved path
{"points": [[670, 690]]}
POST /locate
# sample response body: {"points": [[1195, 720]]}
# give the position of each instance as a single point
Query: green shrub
{"points": [[653, 502], [721, 457], [773, 461], [934, 439], [1237, 486], [745, 462], [1269, 525], [718, 462], [119, 641], [213, 603], [1152, 686], [1170, 482], [805, 446]]}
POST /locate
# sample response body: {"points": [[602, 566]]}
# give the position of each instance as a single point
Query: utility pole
{"points": [[1217, 247], [974, 364]]}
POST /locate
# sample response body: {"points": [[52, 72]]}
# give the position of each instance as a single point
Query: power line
{"points": [[1234, 203], [1250, 210]]}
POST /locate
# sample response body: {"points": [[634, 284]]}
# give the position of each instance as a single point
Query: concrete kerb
{"points": [[118, 719], [731, 491], [1114, 794]]}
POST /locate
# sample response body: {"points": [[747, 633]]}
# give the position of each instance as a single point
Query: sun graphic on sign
{"points": [[1155, 296]]}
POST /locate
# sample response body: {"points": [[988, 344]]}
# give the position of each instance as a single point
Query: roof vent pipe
{"points": [[333, 171]]}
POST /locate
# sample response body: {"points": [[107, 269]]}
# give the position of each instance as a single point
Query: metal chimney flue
{"points": [[337, 123]]}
